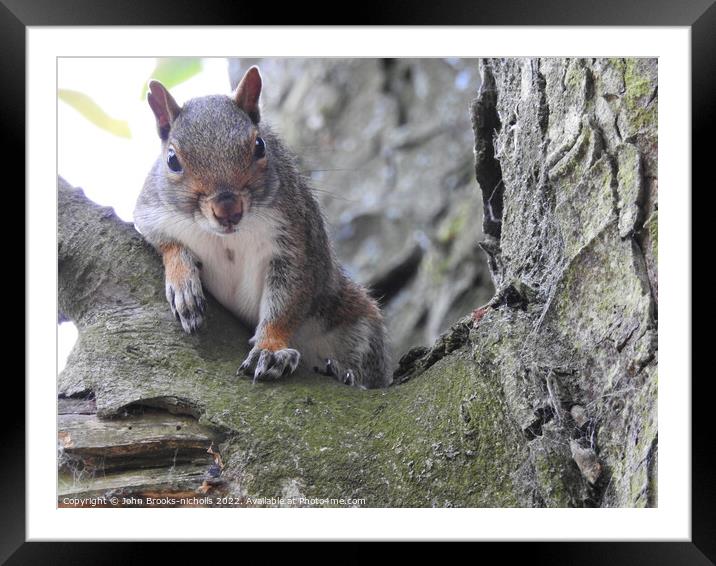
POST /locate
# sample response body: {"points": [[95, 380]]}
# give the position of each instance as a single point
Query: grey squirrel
{"points": [[227, 208]]}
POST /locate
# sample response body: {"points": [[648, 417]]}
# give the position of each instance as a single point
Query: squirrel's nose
{"points": [[227, 210]]}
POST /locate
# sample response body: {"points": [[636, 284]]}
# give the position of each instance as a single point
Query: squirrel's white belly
{"points": [[234, 267]]}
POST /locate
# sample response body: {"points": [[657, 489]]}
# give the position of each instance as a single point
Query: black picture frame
{"points": [[699, 15]]}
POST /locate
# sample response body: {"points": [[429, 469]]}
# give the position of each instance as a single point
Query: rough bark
{"points": [[545, 397]]}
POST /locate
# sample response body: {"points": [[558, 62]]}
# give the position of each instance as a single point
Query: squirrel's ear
{"points": [[164, 107], [248, 92]]}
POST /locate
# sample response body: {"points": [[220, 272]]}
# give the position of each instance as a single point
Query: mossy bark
{"points": [[577, 150], [442, 439]]}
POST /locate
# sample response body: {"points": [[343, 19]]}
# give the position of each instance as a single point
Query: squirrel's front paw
{"points": [[268, 364], [186, 299], [333, 369]]}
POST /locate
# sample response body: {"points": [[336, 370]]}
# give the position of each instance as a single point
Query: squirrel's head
{"points": [[214, 158]]}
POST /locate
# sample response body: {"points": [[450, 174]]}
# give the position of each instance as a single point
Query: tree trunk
{"points": [[544, 397]]}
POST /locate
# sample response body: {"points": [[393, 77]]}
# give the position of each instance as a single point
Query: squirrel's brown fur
{"points": [[229, 211]]}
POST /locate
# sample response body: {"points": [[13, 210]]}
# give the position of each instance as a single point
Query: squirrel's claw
{"points": [[348, 378], [334, 370], [247, 366], [187, 302], [331, 369], [270, 365]]}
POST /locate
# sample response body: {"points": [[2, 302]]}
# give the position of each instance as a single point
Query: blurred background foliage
{"points": [[170, 71]]}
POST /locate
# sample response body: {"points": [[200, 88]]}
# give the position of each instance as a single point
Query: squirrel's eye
{"points": [[173, 160], [259, 148]]}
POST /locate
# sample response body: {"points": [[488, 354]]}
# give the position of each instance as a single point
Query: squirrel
{"points": [[229, 211]]}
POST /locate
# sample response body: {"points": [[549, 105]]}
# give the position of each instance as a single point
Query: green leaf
{"points": [[172, 71], [91, 110]]}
